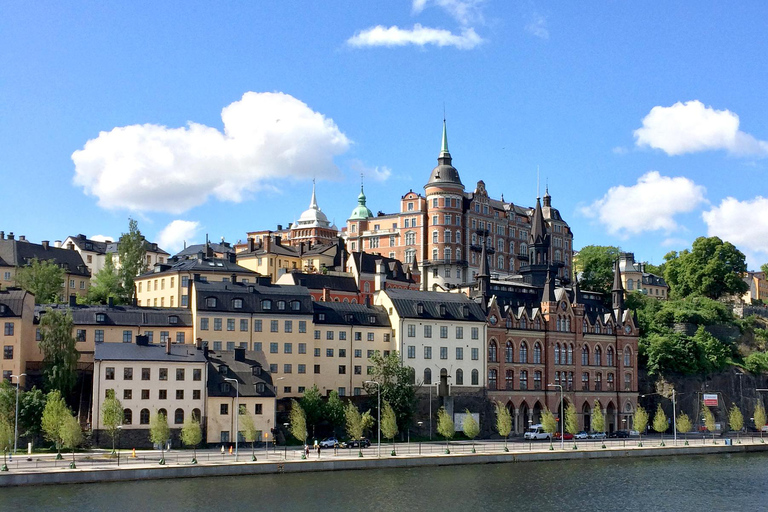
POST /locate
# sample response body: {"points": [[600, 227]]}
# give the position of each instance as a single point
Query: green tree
{"points": [[549, 424], [712, 268], [31, 407], [312, 405], [298, 420], [397, 388], [709, 420], [598, 420], [54, 415], [571, 422], [684, 425], [471, 428], [71, 435], [764, 269], [60, 354], [660, 423], [43, 279], [334, 411], [760, 418], [640, 422], [250, 432], [192, 434], [594, 266], [6, 440], [159, 433], [445, 427], [736, 420], [389, 424], [367, 422], [132, 252], [112, 416], [503, 422], [105, 284], [354, 423]]}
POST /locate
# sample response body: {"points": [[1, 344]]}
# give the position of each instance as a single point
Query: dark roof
{"points": [[131, 352], [13, 301], [123, 315], [192, 250], [86, 244], [350, 314], [393, 268], [18, 253], [204, 264], [321, 281], [253, 296], [406, 303], [242, 371]]}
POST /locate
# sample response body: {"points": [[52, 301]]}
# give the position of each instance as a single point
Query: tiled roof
{"points": [[193, 250], [242, 371], [320, 281], [16, 253], [253, 296], [132, 352], [344, 313], [86, 244], [393, 268], [218, 265], [124, 315], [407, 303], [13, 300]]}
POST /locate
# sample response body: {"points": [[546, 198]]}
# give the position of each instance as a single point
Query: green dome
{"points": [[361, 212]]}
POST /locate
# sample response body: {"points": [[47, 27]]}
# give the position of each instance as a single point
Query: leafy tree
{"points": [[598, 420], [71, 435], [445, 427], [159, 432], [684, 424], [43, 279], [60, 354], [471, 428], [366, 421], [132, 253], [712, 268], [105, 284], [660, 423], [334, 411], [640, 422], [764, 269], [756, 362], [312, 405], [112, 416], [709, 420], [594, 265], [389, 424], [571, 421], [760, 417], [6, 440], [503, 422], [31, 407], [354, 424], [192, 434], [736, 420], [54, 415], [298, 422], [250, 432], [397, 386], [549, 423]]}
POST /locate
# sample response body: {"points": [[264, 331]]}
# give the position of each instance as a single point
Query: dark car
{"points": [[362, 443], [619, 434]]}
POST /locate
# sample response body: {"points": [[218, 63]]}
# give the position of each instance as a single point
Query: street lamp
{"points": [[562, 411], [237, 411], [274, 439], [674, 412], [378, 387], [16, 428]]}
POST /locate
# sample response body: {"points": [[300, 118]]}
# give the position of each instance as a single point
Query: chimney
{"points": [[110, 302], [205, 349], [199, 343], [22, 238], [239, 354], [168, 347], [142, 340], [2, 235], [381, 277], [279, 227], [72, 300], [251, 245], [278, 239], [301, 248], [10, 235], [326, 295], [232, 257], [196, 278], [45, 244], [233, 278], [57, 244]]}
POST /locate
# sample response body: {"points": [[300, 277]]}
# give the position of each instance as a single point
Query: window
{"points": [[237, 304], [627, 357], [317, 368], [342, 369], [427, 352], [127, 335], [257, 326], [523, 380], [444, 331], [273, 326], [584, 356], [8, 352], [162, 394], [570, 381], [459, 333], [163, 374], [180, 337], [144, 417], [411, 331], [179, 394], [598, 381], [537, 380], [266, 304], [627, 382], [109, 373], [329, 335], [358, 336], [509, 380], [80, 335], [287, 368], [329, 352], [585, 381], [411, 351], [224, 409], [217, 324], [443, 352], [273, 347], [537, 353], [610, 382], [475, 377], [210, 302], [475, 354], [427, 331], [475, 333], [287, 348], [492, 379], [459, 353], [216, 345], [459, 377], [370, 336], [492, 352], [524, 352], [598, 356], [570, 354], [557, 353], [427, 376], [179, 373]]}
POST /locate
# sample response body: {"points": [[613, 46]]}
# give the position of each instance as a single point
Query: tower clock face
{"points": [[563, 306], [627, 329], [493, 319]]}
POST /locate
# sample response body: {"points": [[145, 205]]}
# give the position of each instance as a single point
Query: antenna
{"points": [[443, 111], [538, 184]]}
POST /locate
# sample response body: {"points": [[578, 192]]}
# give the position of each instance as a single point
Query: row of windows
{"points": [[184, 301], [564, 379], [257, 409], [178, 416], [329, 335], [98, 336], [562, 354], [258, 325], [266, 304], [161, 282], [474, 331], [459, 380], [162, 394], [146, 373], [474, 353], [302, 369]]}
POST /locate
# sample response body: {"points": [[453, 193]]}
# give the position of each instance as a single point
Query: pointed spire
{"points": [[617, 292], [538, 226], [576, 292], [548, 294], [444, 146], [484, 267], [313, 202]]}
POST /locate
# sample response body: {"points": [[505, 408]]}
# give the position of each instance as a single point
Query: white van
{"points": [[535, 432]]}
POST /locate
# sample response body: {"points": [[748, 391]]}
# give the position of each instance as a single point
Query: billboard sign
{"points": [[710, 400]]}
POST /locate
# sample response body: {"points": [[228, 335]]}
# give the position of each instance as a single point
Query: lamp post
{"points": [[120, 431], [16, 428], [237, 411], [274, 425], [562, 410], [674, 411], [378, 387]]}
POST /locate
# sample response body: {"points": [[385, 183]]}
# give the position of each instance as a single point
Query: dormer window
{"points": [[442, 309], [237, 303], [420, 308], [2, 308], [173, 320], [101, 318], [281, 305], [321, 316], [225, 387], [223, 369], [210, 302], [295, 305], [348, 317], [465, 311], [266, 304], [255, 371], [372, 319], [260, 387]]}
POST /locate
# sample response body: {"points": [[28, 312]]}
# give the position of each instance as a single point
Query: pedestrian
{"points": [[306, 450], [222, 449]]}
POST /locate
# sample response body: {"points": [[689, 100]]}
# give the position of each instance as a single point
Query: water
{"points": [[695, 483]]}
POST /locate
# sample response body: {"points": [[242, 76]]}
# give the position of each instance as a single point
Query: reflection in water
{"points": [[697, 483]]}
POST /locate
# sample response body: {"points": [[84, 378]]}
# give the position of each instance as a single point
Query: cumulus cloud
{"points": [[743, 223], [692, 127], [464, 11], [156, 168], [172, 237], [649, 205], [418, 36], [538, 26], [102, 238], [377, 173]]}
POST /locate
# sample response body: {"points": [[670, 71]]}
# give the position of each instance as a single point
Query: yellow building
{"points": [[17, 311], [634, 278], [269, 256], [758, 288]]}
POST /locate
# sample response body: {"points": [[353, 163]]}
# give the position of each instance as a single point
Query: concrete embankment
{"points": [[155, 472]]}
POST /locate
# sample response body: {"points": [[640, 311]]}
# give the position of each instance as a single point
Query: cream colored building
{"points": [[758, 287], [94, 252], [634, 278], [269, 256]]}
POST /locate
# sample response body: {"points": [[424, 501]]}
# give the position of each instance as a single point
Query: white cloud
{"points": [[743, 223], [649, 205], [173, 236], [377, 173], [102, 238], [691, 127], [679, 243], [155, 168], [464, 11], [418, 35], [538, 26]]}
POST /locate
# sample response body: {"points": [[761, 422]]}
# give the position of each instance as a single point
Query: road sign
{"points": [[710, 400]]}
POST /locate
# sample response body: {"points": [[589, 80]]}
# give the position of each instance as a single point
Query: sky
{"points": [[646, 120]]}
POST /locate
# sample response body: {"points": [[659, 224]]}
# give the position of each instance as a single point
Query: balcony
{"points": [[461, 263]]}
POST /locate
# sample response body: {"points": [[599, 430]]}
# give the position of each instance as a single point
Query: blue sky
{"points": [[646, 119]]}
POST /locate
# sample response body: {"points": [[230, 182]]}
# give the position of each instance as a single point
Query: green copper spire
{"points": [[444, 147]]}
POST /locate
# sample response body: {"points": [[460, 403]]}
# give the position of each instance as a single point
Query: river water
{"points": [[691, 483]]}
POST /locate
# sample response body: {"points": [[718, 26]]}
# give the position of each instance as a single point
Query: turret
{"points": [[617, 292]]}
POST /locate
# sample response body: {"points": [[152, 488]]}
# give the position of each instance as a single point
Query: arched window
{"points": [[598, 356], [127, 417], [493, 352], [570, 381], [511, 264], [522, 323], [500, 244], [523, 380], [163, 412], [537, 380], [585, 381], [570, 354], [500, 262], [427, 376], [492, 377], [557, 353], [144, 417], [558, 325], [609, 329], [523, 352], [627, 357], [585, 356], [178, 416], [510, 380], [196, 415], [458, 236], [537, 353], [509, 352], [609, 356], [458, 253], [627, 382], [557, 378], [598, 381], [475, 378], [367, 287], [610, 382], [537, 324], [584, 326], [630, 284], [459, 377], [511, 247], [568, 324]]}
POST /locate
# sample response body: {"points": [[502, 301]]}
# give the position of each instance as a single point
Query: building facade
{"points": [[636, 279], [17, 312]]}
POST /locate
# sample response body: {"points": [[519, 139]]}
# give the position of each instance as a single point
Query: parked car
{"points": [[620, 434], [582, 435], [362, 443], [329, 442], [535, 432], [597, 435], [567, 436]]}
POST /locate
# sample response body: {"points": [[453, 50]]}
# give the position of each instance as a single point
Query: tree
{"points": [[112, 416], [660, 423], [684, 425], [503, 422], [640, 422], [760, 417], [764, 269], [54, 415], [159, 433], [598, 420], [312, 405], [250, 432], [594, 266], [471, 428], [31, 405], [132, 253], [298, 422], [712, 268], [334, 411], [571, 422], [6, 440], [736, 420], [43, 279], [60, 354], [354, 424], [445, 427], [71, 435], [549, 424], [192, 434], [105, 284], [389, 424], [709, 420], [397, 388]]}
